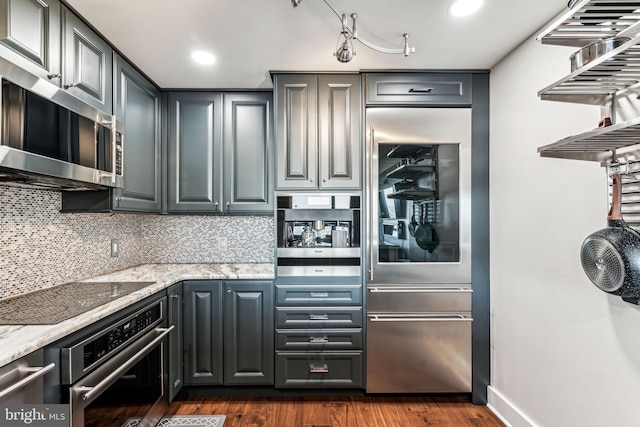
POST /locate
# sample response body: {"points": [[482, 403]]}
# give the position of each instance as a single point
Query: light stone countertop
{"points": [[19, 340]]}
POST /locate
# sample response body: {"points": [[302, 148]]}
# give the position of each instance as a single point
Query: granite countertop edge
{"points": [[19, 340]]}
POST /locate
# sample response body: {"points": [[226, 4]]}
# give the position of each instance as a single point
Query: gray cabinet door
{"points": [[195, 152], [249, 333], [248, 152], [86, 63], [423, 89], [318, 131], [203, 337], [339, 129], [176, 340], [137, 106], [30, 35], [296, 131]]}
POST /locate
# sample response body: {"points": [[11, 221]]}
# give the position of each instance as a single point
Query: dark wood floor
{"points": [[348, 411]]}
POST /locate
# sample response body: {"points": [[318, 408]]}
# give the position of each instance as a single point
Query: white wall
{"points": [[563, 352]]}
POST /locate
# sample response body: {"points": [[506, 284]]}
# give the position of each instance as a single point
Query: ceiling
{"points": [[252, 37]]}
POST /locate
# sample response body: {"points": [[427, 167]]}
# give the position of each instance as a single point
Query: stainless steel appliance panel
{"points": [[417, 299], [418, 353]]}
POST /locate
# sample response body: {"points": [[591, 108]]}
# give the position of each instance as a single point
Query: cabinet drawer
{"points": [[318, 317], [318, 295], [422, 89], [318, 339], [417, 299], [319, 370]]}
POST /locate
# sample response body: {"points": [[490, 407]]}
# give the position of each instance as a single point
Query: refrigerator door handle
{"points": [[409, 290], [371, 199], [419, 318]]}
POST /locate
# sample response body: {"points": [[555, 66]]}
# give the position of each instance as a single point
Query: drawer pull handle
{"points": [[421, 90], [319, 317], [319, 340], [319, 294], [318, 369]]}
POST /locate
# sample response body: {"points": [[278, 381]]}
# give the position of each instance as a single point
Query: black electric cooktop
{"points": [[53, 305]]}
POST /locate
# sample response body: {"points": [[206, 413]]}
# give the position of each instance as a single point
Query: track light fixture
{"points": [[345, 51]]}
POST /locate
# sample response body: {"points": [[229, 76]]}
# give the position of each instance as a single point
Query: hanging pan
{"points": [[611, 257], [425, 233]]}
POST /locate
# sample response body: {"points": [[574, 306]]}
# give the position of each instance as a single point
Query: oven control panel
{"points": [[118, 335], [86, 354]]}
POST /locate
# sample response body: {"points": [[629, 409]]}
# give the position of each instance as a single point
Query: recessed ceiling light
{"points": [[465, 7], [202, 57]]}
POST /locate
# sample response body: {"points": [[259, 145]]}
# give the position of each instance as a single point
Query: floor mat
{"points": [[183, 421]]}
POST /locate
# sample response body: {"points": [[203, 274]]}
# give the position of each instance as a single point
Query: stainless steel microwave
{"points": [[48, 145]]}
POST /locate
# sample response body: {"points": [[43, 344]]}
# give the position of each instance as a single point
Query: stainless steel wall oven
{"points": [[115, 371]]}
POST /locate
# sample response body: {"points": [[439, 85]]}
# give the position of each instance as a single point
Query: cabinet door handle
{"points": [[54, 76], [319, 340], [318, 369], [319, 317], [421, 90], [67, 86], [319, 294]]}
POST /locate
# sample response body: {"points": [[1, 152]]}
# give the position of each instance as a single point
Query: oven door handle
{"points": [[91, 391]]}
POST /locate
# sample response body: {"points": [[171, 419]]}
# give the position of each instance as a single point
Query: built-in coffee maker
{"points": [[318, 234]]}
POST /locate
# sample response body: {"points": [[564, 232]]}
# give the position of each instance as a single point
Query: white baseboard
{"points": [[504, 409]]}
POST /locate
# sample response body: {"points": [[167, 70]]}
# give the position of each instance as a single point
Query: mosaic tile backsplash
{"points": [[41, 247]]}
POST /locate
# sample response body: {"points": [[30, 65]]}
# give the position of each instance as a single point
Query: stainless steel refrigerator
{"points": [[418, 250]]}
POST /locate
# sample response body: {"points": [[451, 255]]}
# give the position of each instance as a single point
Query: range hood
{"points": [[49, 139]]}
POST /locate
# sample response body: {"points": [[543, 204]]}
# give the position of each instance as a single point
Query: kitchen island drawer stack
{"points": [[319, 335]]}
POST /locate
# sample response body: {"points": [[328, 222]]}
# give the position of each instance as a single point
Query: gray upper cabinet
{"points": [[422, 89], [87, 62], [248, 152], [137, 106], [318, 135], [194, 152], [339, 130], [51, 42], [30, 35], [296, 131], [220, 152]]}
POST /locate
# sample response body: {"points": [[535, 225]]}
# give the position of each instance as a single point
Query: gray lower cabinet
{"points": [[30, 36], [228, 332], [176, 339], [318, 131], [87, 63], [248, 333], [203, 332], [220, 152], [319, 334]]}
